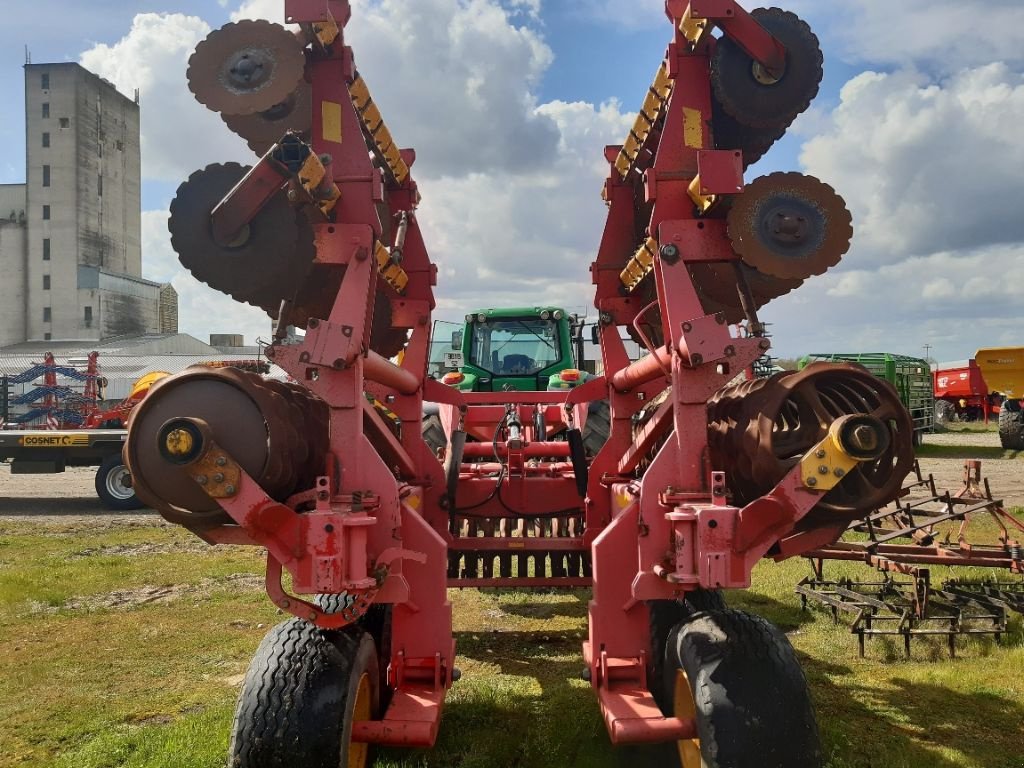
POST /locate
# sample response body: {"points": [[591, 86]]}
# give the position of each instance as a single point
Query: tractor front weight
{"points": [[655, 484]]}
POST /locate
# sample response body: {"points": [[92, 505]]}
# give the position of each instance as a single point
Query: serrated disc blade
{"points": [[265, 264], [790, 226], [246, 67]]}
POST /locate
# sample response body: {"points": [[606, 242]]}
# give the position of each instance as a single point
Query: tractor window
{"points": [[445, 356], [515, 347]]}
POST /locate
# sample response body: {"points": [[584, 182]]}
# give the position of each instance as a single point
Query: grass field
{"points": [[124, 645]]}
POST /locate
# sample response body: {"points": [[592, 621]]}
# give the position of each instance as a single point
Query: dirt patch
{"points": [[128, 599], [190, 547], [66, 497]]}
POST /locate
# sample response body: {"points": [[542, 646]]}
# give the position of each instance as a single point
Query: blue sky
{"points": [[907, 106]]}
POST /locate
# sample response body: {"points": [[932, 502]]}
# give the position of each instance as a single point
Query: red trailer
{"points": [[960, 390]]}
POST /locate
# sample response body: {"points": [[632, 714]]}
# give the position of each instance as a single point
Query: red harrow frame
{"points": [[697, 482]]}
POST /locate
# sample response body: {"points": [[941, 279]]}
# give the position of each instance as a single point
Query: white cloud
{"points": [[929, 168], [942, 35], [926, 166], [511, 210], [178, 134], [455, 79]]}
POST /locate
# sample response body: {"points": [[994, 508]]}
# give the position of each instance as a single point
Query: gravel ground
{"points": [[65, 498], [1005, 476]]}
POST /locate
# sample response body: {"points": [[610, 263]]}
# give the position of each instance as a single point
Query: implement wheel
{"points": [[1011, 426], [114, 485], [664, 616], [303, 691], [739, 677], [598, 427], [433, 434]]}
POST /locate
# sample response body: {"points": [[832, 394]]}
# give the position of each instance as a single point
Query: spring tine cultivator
{"points": [[699, 478]]}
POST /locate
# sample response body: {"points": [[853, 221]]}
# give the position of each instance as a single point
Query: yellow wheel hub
{"points": [[359, 752], [685, 708]]}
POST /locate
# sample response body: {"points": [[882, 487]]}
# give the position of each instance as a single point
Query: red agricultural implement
{"points": [[696, 483], [923, 528], [961, 393]]}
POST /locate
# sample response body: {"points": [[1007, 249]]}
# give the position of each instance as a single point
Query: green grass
{"points": [[87, 682]]}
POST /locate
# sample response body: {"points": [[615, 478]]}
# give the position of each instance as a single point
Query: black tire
{"points": [[1011, 425], [740, 678], [945, 412], [113, 485], [597, 427], [377, 622], [299, 698], [433, 433], [664, 616], [771, 108]]}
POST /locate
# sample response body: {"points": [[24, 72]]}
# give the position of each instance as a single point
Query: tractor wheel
{"points": [[1011, 425], [664, 616], [739, 677], [597, 428], [114, 485], [433, 433], [303, 691], [945, 412]]}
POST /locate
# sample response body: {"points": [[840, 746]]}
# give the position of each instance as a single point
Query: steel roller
{"points": [[277, 432], [760, 429]]}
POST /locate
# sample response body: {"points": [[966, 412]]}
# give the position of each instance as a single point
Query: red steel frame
{"points": [[380, 529]]}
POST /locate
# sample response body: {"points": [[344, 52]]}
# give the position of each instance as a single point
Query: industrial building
{"points": [[70, 236]]}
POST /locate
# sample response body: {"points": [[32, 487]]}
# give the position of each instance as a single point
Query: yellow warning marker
{"points": [[640, 265], [377, 130], [651, 111], [395, 276]]}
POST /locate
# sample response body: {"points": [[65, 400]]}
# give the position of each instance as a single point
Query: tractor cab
{"points": [[523, 349]]}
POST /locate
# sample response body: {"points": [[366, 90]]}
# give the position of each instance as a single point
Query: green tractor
{"points": [[522, 349]]}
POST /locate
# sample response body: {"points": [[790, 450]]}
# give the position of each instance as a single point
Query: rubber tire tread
{"points": [[294, 705], [433, 433], [753, 706], [1011, 427], [110, 464], [597, 427], [664, 616]]}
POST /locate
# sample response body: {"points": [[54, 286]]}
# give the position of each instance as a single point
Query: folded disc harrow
{"points": [[642, 483]]}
